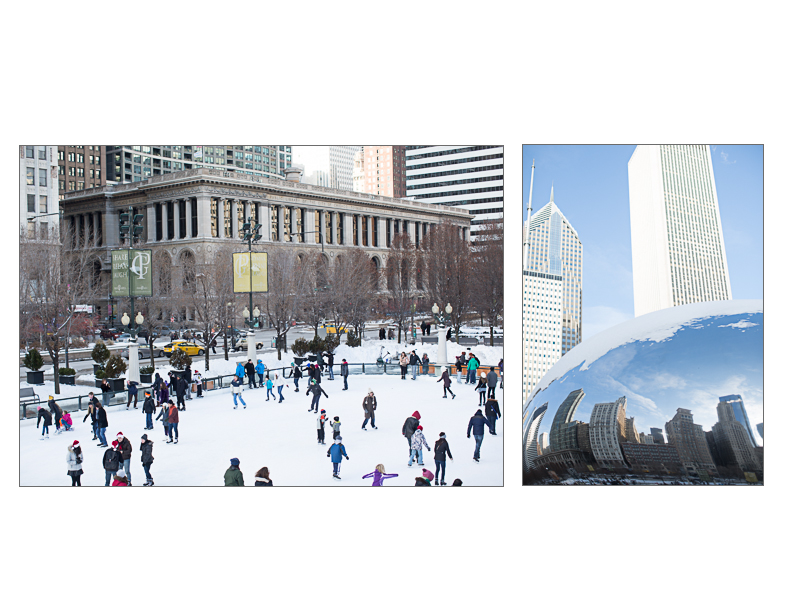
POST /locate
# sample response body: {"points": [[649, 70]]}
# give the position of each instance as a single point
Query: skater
{"points": [[345, 372], [403, 363], [317, 391], [279, 385], [173, 422], [425, 479], [74, 462], [181, 389], [56, 412], [44, 415], [236, 392], [418, 441], [477, 423], [125, 448], [458, 364], [336, 426], [91, 413], [409, 427], [481, 387], [492, 382], [500, 369], [369, 406], [250, 370], [66, 421], [148, 409], [382, 333], [101, 424], [263, 478], [492, 411], [163, 393], [335, 452], [132, 388], [269, 388], [379, 475], [120, 481], [155, 387], [320, 362], [111, 462], [414, 361], [187, 375], [146, 457], [446, 384], [441, 449], [472, 366], [233, 476], [425, 364], [260, 372], [330, 360], [320, 427], [198, 383], [296, 374]]}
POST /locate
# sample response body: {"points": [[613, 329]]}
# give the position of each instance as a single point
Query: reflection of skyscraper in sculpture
{"points": [[678, 255], [530, 435], [605, 427], [740, 415], [630, 433], [760, 428], [690, 442], [563, 431], [657, 435], [552, 293], [544, 443], [732, 441]]}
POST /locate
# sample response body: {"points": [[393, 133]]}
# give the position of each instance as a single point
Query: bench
{"points": [[27, 392]]}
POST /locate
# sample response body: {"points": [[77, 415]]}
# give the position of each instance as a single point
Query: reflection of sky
{"points": [[709, 358]]}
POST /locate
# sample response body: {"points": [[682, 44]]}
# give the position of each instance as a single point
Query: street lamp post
{"points": [[134, 362], [442, 354]]}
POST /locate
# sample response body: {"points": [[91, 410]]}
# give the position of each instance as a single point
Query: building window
{"points": [[31, 202], [42, 177], [31, 176], [43, 153], [29, 152], [42, 203], [71, 156]]}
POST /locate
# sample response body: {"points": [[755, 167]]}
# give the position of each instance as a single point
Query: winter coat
{"points": [[414, 360], [163, 393], [379, 477], [43, 414], [425, 362], [500, 367], [132, 388], [233, 477], [409, 427], [173, 414], [250, 369], [149, 406], [125, 448], [262, 482], [259, 367], [335, 452], [403, 361], [473, 364], [101, 417], [104, 387], [240, 371], [344, 369], [330, 359], [146, 450], [369, 405], [335, 426], [492, 379], [477, 423], [163, 414], [459, 365], [418, 440], [296, 372], [492, 410], [157, 381], [446, 379], [187, 374], [236, 386], [482, 384], [321, 420], [66, 419], [181, 387], [55, 410], [269, 384], [111, 460], [316, 390], [441, 448], [420, 481], [71, 461], [120, 481], [197, 379]]}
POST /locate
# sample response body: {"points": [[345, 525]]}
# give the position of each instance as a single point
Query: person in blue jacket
{"points": [[477, 423], [335, 452], [260, 371], [240, 371]]}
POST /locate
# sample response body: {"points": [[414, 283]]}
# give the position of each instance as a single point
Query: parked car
{"points": [[242, 344], [109, 334], [330, 328], [144, 352], [191, 348]]}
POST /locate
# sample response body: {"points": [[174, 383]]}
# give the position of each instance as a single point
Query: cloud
{"points": [[725, 158]]}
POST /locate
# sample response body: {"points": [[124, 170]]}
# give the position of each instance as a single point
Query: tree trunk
{"points": [[492, 336], [54, 357], [225, 345]]}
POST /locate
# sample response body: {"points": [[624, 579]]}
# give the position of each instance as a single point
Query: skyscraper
{"points": [[678, 256], [384, 170], [531, 424], [469, 177], [605, 432], [38, 189], [737, 406], [552, 292], [690, 442], [563, 431], [731, 439], [326, 165]]}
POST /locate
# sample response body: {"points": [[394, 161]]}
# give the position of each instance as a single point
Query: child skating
{"points": [[320, 427], [317, 391], [335, 452], [336, 425], [379, 475], [418, 441], [269, 388]]}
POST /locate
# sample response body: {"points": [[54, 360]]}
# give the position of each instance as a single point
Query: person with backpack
{"points": [[125, 448], [148, 409], [236, 392], [418, 441], [147, 458], [173, 421], [345, 373], [477, 423], [441, 449], [378, 475], [260, 371], [335, 452], [409, 427], [317, 391], [492, 412], [233, 476], [44, 415], [481, 387], [111, 462], [74, 463], [369, 406], [320, 427], [446, 383]]}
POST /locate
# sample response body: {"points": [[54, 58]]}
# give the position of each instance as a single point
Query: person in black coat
{"points": [[250, 370], [317, 391], [101, 424], [297, 375], [149, 407], [477, 423], [448, 334], [408, 429], [111, 462], [345, 373], [492, 411], [441, 449], [147, 458], [156, 384], [188, 379], [330, 360], [181, 389], [44, 415], [57, 413], [91, 413], [263, 478]]}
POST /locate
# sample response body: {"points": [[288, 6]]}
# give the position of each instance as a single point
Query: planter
{"points": [[97, 367], [67, 379], [35, 377], [299, 360], [146, 378], [116, 384]]}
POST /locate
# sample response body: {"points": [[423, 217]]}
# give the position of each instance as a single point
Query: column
{"points": [[86, 238], [334, 226], [110, 229], [310, 226], [369, 230], [234, 219], [151, 222], [348, 220], [188, 213], [164, 219], [266, 222], [176, 234], [280, 223], [221, 218], [293, 222], [358, 220], [204, 203], [411, 231], [381, 229], [246, 210], [96, 228]]}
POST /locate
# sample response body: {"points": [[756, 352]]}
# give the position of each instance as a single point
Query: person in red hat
{"points": [[425, 479], [74, 462], [125, 448], [417, 444], [198, 383], [111, 462]]}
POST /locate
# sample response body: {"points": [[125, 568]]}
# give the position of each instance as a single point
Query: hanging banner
{"points": [[243, 273], [131, 273]]}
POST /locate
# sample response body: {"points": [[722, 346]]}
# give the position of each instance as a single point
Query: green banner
{"points": [[131, 272]]}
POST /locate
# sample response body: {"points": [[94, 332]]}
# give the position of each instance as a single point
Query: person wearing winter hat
{"points": [[441, 449], [336, 426], [320, 425], [173, 424], [477, 423], [457, 483], [335, 452], [263, 478], [125, 448], [425, 479], [369, 406], [379, 475], [44, 415], [296, 374], [317, 391], [345, 373], [148, 409], [163, 414], [233, 476], [260, 371], [198, 383], [74, 463], [120, 480], [409, 427], [270, 384], [111, 462], [147, 458], [418, 441]]}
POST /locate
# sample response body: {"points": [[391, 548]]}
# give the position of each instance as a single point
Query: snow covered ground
{"points": [[283, 436]]}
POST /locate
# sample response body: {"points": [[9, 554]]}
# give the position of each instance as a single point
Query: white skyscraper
{"points": [[326, 165], [678, 255], [552, 293], [38, 188]]}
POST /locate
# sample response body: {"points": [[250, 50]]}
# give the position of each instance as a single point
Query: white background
{"points": [[403, 73]]}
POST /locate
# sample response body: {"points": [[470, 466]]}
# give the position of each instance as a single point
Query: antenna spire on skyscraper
{"points": [[551, 192]]}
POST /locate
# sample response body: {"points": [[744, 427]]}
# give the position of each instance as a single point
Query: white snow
{"points": [[740, 324], [282, 437]]}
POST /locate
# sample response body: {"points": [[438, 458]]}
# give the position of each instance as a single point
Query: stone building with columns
{"points": [[188, 215]]}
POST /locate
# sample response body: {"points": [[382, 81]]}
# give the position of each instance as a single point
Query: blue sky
{"points": [[591, 189]]}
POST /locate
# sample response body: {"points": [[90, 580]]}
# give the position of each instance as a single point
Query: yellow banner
{"points": [[243, 273]]}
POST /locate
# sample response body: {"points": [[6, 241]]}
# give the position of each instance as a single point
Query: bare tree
{"points": [[488, 266], [287, 280], [350, 291], [313, 302], [400, 274]]}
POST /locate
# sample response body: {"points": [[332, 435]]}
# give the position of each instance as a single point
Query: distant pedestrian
{"points": [[263, 478], [481, 387], [44, 415], [414, 361], [260, 371], [198, 383], [335, 452], [233, 476], [111, 462], [74, 463], [320, 427], [213, 345], [335, 424], [236, 391], [492, 412], [379, 475], [492, 382], [425, 364], [403, 363], [382, 333], [418, 441], [425, 479], [409, 427], [369, 406], [345, 372], [317, 391], [163, 414], [441, 449], [147, 458], [446, 384], [448, 334], [269, 388], [125, 448], [173, 422], [500, 368], [148, 410], [101, 424], [477, 423]]}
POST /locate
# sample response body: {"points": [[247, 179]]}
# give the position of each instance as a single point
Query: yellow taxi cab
{"points": [[191, 348], [330, 328]]}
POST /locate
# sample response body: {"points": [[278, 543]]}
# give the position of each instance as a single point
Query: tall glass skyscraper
{"points": [[678, 255], [737, 406]]}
